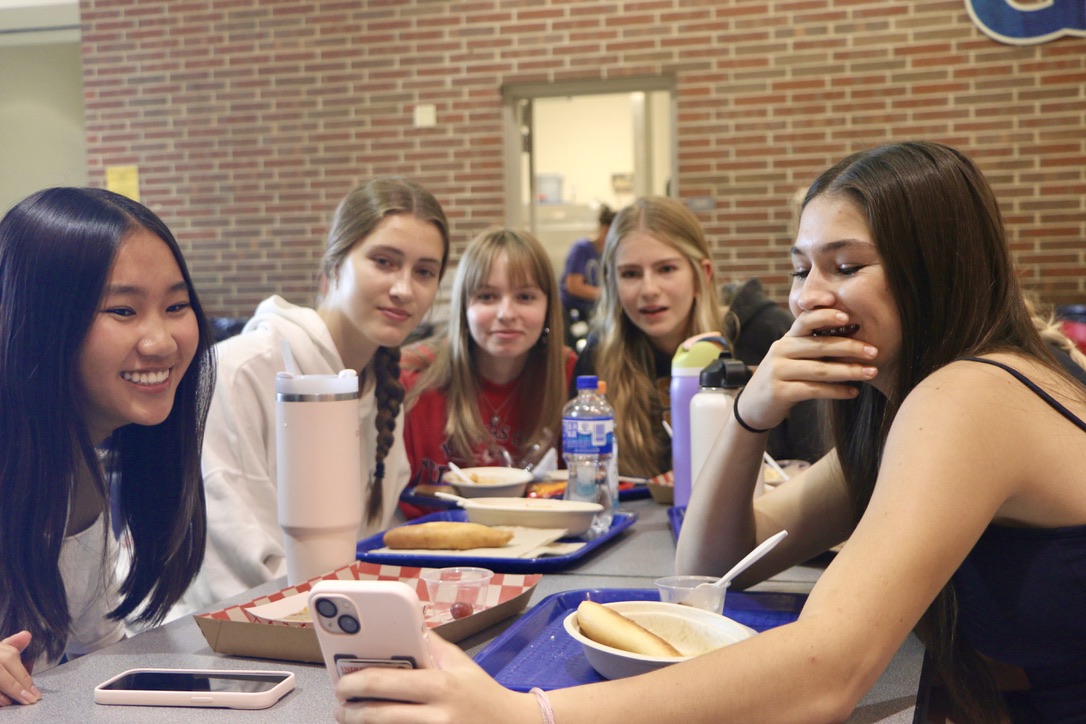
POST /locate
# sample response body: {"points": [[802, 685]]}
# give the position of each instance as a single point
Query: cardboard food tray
{"points": [[235, 631]]}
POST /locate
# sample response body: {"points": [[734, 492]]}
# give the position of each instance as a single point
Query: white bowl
{"points": [[575, 516], [690, 630], [494, 481]]}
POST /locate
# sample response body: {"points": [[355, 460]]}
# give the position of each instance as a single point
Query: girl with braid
{"points": [[385, 256]]}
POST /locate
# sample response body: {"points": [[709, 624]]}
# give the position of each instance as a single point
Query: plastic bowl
{"points": [[690, 630], [490, 482], [575, 516]]}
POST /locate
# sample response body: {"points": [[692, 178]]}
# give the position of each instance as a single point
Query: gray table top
{"points": [[640, 555]]}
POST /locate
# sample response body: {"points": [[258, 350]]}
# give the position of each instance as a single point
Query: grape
{"points": [[460, 609]]}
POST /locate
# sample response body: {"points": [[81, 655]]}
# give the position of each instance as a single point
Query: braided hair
{"points": [[359, 213], [389, 394]]}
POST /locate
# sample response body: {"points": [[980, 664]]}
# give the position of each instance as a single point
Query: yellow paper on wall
{"points": [[124, 180]]}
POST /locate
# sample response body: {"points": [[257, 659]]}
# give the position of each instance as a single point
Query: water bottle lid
{"points": [[725, 371], [306, 387], [587, 382], [690, 359]]}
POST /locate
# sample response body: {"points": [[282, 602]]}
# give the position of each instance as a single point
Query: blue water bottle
{"points": [[588, 431]]}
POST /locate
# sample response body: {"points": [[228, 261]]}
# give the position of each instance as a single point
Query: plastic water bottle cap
{"points": [[587, 382]]}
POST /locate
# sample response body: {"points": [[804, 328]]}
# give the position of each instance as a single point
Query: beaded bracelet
{"points": [[544, 705], [735, 412]]}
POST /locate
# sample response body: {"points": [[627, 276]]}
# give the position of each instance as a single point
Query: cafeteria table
{"points": [[641, 554]]}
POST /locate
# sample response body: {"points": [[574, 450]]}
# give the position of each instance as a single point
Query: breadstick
{"points": [[448, 535], [610, 628]]}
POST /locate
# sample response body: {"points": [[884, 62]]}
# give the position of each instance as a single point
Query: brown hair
{"points": [[356, 217], [541, 386], [940, 236]]}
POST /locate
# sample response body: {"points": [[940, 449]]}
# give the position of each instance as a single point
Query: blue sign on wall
{"points": [[1028, 23]]}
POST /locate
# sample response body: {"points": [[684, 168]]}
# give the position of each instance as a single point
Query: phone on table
{"points": [[369, 623], [233, 689]]}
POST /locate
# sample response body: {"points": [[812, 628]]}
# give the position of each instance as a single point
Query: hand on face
{"points": [[457, 690], [16, 686], [847, 327], [807, 363]]}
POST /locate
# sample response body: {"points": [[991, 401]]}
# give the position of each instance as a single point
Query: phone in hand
{"points": [[369, 623], [232, 689]]}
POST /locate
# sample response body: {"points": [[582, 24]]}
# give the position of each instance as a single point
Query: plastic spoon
{"points": [[767, 545], [773, 464], [459, 500], [460, 474]]}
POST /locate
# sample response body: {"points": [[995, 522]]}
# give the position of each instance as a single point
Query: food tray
{"points": [[237, 630], [367, 552], [429, 502], [537, 651], [675, 517]]}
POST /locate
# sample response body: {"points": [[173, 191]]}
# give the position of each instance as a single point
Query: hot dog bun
{"points": [[610, 628], [448, 535]]}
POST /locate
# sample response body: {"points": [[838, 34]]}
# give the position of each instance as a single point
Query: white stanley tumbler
{"points": [[319, 460]]}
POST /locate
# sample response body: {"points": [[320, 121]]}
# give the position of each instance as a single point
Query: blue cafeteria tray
{"points": [[537, 651], [366, 549]]}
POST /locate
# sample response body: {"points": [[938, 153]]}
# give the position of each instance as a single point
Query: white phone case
{"points": [[369, 623], [167, 697]]}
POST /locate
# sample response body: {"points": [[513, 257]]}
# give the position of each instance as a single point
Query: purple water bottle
{"points": [[686, 367]]}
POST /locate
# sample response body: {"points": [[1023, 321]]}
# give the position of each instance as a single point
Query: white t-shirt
{"points": [[90, 582]]}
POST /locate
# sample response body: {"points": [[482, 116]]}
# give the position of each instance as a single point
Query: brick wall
{"points": [[249, 119]]}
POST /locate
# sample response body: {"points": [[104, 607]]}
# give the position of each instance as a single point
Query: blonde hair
{"points": [[624, 355], [1051, 331], [541, 387]]}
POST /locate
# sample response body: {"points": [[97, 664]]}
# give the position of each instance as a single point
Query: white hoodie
{"points": [[244, 540]]}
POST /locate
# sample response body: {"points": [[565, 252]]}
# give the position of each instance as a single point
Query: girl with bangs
{"points": [[658, 290], [496, 384]]}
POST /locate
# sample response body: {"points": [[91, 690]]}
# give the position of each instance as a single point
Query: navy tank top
{"points": [[1022, 600]]}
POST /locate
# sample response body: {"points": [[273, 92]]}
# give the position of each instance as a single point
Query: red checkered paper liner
{"points": [[503, 587]]}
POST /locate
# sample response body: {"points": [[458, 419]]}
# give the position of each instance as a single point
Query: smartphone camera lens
{"points": [[348, 624], [326, 607]]}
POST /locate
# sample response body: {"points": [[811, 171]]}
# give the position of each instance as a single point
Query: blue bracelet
{"points": [[735, 412]]}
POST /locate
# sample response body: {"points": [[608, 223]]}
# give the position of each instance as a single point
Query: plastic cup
{"points": [[684, 590], [457, 592]]}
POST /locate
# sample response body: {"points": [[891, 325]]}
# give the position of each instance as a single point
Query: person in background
{"points": [[105, 363], [950, 416], [1062, 347], [580, 284], [658, 291], [384, 259], [496, 384]]}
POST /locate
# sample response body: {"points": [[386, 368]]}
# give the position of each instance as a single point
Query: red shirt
{"points": [[424, 424]]}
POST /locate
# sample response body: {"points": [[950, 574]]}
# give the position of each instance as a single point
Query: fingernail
{"points": [[870, 371], [26, 697], [35, 692], [870, 351], [842, 317]]}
